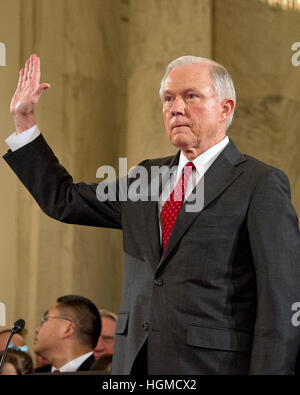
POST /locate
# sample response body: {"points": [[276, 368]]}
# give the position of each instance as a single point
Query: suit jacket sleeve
{"points": [[275, 245], [52, 187]]}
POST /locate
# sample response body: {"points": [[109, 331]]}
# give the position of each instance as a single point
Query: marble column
{"points": [[83, 48], [159, 31], [9, 36], [253, 40]]}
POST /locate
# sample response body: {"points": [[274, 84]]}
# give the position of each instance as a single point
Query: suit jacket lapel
{"points": [[150, 216], [86, 365], [221, 174]]}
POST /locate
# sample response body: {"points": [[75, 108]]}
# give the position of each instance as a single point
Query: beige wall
{"points": [[254, 42], [159, 32], [9, 35], [104, 60], [83, 58]]}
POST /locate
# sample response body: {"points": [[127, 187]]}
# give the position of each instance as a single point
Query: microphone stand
{"points": [[5, 351], [18, 326]]}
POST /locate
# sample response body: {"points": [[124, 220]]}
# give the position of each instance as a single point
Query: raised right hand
{"points": [[27, 94]]}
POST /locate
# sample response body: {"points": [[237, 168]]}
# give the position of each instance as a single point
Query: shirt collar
{"points": [[204, 160], [73, 365]]}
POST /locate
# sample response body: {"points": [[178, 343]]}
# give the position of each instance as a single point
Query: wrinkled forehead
{"points": [[193, 76], [108, 322]]}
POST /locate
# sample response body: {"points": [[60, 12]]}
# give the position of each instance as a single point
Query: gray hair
{"points": [[221, 79], [109, 314]]}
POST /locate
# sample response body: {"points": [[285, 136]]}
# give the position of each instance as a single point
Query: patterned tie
{"points": [[172, 205]]}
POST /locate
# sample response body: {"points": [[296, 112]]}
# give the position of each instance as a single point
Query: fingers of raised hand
{"points": [[21, 78], [26, 69], [30, 67], [36, 74], [31, 70], [34, 70]]}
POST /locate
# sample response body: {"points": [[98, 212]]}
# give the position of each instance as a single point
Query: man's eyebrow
{"points": [[191, 89], [168, 92]]}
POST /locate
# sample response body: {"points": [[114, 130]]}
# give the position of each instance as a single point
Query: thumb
{"points": [[42, 88]]}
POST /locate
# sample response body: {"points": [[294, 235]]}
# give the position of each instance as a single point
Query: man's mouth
{"points": [[98, 353], [179, 125]]}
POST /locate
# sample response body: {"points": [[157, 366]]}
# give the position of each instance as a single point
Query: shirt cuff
{"points": [[16, 141]]}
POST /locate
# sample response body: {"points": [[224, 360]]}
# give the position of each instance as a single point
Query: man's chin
{"points": [[97, 355], [181, 141]]}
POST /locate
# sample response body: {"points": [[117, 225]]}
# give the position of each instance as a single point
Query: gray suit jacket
{"points": [[218, 300]]}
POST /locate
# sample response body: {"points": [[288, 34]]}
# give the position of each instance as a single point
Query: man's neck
{"points": [[191, 153], [63, 358]]}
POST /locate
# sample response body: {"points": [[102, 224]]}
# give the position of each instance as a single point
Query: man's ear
{"points": [[228, 106], [70, 329]]}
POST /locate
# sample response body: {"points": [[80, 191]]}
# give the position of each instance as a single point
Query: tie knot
{"points": [[189, 166]]}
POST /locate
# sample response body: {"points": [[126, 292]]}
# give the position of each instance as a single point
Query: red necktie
{"points": [[172, 205]]}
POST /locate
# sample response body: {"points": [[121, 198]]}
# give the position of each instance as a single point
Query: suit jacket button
{"points": [[145, 325], [159, 281]]}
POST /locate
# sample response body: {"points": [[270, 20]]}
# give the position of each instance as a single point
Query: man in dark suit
{"points": [[68, 334], [211, 259]]}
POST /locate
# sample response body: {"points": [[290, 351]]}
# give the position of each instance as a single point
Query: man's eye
{"points": [[168, 98], [191, 95]]}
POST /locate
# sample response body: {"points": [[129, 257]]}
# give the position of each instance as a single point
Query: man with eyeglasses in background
{"points": [[68, 333]]}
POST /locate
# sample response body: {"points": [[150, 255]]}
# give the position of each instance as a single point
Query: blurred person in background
{"points": [[106, 341], [17, 362], [104, 363], [17, 340]]}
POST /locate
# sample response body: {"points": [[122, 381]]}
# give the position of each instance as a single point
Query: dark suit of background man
{"points": [[217, 298]]}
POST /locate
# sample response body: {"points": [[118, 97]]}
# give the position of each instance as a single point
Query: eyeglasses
{"points": [[47, 317]]}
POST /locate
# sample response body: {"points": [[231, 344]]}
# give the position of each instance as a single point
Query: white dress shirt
{"points": [[72, 366], [201, 163], [16, 141]]}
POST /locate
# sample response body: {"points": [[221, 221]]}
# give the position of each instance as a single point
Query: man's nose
{"points": [[178, 106], [101, 343]]}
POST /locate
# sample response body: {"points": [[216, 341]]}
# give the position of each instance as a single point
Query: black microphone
{"points": [[17, 327]]}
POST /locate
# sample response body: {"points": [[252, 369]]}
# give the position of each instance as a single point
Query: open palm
{"points": [[29, 89]]}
